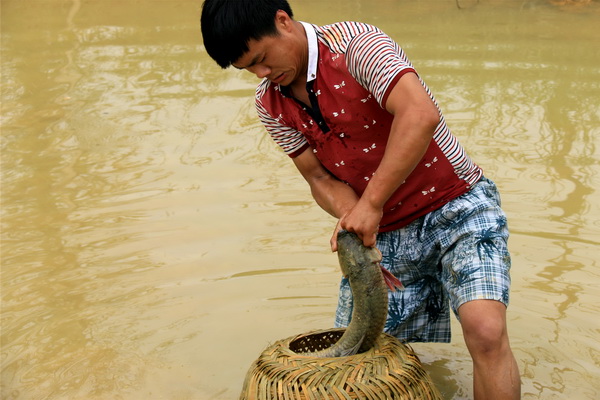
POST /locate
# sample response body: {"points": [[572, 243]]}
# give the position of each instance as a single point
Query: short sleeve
{"points": [[291, 141], [376, 62]]}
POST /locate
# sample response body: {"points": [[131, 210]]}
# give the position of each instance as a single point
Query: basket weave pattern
{"points": [[389, 370]]}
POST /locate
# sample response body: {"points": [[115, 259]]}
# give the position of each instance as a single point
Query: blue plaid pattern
{"points": [[452, 255]]}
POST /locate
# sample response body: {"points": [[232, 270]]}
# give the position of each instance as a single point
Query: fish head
{"points": [[352, 252]]}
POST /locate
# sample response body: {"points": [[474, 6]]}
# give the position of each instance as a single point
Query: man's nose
{"points": [[260, 71]]}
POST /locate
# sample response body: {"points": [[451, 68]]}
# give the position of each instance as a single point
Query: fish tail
{"points": [[353, 350]]}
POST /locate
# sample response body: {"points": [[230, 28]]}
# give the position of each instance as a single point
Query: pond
{"points": [[155, 240]]}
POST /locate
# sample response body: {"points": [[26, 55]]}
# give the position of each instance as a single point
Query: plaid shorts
{"points": [[452, 255]]}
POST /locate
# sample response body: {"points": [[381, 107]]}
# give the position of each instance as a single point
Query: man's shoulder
{"points": [[348, 28], [265, 87], [268, 98], [338, 35]]}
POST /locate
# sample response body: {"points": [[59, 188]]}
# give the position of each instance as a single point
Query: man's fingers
{"points": [[369, 240], [333, 240]]}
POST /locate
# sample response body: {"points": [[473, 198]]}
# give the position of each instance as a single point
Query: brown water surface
{"points": [[154, 239]]}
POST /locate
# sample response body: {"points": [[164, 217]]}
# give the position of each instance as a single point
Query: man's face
{"points": [[277, 58]]}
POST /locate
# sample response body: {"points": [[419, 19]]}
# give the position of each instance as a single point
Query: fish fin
{"points": [[391, 281], [353, 350]]}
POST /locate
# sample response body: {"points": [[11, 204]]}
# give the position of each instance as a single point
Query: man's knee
{"points": [[484, 326]]}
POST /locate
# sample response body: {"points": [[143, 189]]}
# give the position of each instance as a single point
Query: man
{"points": [[344, 102]]}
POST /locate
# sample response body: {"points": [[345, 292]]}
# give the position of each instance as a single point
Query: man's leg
{"points": [[495, 370]]}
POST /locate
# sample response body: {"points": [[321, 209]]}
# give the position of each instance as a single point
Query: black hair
{"points": [[228, 25]]}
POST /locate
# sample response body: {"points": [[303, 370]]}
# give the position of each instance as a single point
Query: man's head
{"points": [[228, 25]]}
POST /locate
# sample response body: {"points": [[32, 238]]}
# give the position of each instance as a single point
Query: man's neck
{"points": [[298, 86]]}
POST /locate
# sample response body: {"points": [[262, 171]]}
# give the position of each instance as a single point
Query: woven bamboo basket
{"points": [[389, 370]]}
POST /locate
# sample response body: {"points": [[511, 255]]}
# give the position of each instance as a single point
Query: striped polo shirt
{"points": [[352, 68]]}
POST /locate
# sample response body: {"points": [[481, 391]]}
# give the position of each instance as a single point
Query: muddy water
{"points": [[154, 240]]}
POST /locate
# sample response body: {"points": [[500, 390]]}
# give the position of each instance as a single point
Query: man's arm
{"points": [[415, 120], [331, 194]]}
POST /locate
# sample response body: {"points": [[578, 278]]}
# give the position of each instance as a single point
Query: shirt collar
{"points": [[313, 51], [313, 58]]}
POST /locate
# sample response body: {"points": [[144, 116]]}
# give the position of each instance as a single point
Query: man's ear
{"points": [[283, 21]]}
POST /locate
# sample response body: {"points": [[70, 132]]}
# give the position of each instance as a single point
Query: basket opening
{"points": [[316, 342]]}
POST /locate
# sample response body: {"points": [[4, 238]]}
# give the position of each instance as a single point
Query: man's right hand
{"points": [[362, 219]]}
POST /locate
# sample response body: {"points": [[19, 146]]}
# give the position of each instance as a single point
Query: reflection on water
{"points": [[148, 223]]}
